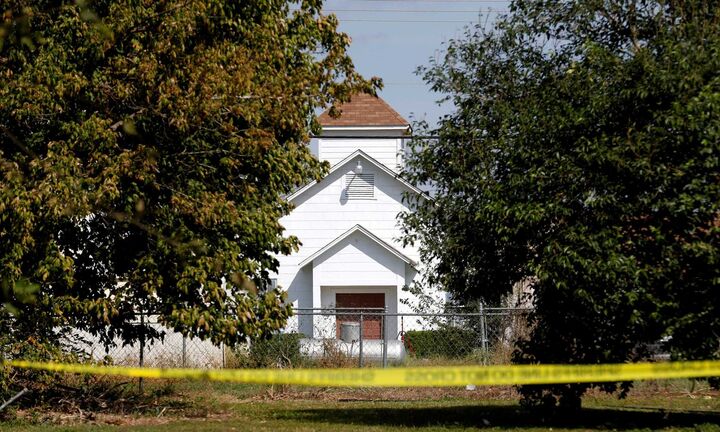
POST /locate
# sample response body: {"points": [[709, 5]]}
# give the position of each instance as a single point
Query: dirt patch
{"points": [[137, 409], [387, 394], [649, 392], [67, 419], [145, 419], [668, 389]]}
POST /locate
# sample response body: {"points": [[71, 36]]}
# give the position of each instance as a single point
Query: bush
{"points": [[43, 384], [281, 350], [334, 357], [58, 390], [447, 342]]}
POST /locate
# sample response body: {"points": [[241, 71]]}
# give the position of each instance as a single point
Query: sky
{"points": [[391, 38]]}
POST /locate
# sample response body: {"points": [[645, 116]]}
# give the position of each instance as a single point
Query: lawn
{"points": [[200, 407]]}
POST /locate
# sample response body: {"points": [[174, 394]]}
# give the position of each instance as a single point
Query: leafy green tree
{"points": [[582, 159], [145, 150]]}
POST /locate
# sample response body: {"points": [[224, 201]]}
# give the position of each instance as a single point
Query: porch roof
{"points": [[368, 234]]}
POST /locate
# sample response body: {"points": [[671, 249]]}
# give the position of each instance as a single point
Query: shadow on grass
{"points": [[507, 417]]}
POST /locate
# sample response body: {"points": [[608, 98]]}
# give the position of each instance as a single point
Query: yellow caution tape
{"points": [[409, 377]]}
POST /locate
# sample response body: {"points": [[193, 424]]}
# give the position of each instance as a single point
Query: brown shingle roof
{"points": [[364, 110]]}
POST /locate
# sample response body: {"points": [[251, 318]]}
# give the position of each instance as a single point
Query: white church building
{"points": [[351, 254]]}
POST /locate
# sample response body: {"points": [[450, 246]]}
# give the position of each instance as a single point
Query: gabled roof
{"points": [[354, 155], [368, 234], [364, 110]]}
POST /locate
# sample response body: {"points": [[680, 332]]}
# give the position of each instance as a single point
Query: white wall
{"points": [[386, 151], [379, 142], [323, 213], [171, 351], [358, 260]]}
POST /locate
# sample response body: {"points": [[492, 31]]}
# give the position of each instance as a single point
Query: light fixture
{"points": [[358, 168]]}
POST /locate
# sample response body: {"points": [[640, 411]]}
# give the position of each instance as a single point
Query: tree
{"points": [[146, 148], [582, 158]]}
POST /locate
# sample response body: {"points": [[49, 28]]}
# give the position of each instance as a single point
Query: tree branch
{"points": [[15, 140]]}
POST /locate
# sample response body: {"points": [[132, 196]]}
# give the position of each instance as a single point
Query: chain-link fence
{"points": [[347, 337], [171, 350], [342, 337]]}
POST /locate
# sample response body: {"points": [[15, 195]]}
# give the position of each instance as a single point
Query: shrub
{"points": [[447, 342], [281, 350], [334, 356], [56, 389]]}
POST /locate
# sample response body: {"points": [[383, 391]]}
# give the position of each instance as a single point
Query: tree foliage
{"points": [[582, 159], [146, 147]]}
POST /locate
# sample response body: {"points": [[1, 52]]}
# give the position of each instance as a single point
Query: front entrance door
{"points": [[372, 320]]}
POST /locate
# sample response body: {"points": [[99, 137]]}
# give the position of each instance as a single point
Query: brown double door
{"points": [[372, 320]]}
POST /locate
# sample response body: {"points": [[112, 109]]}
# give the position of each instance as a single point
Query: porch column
{"points": [[317, 320]]}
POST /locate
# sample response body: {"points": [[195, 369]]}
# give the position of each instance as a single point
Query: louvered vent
{"points": [[360, 186]]}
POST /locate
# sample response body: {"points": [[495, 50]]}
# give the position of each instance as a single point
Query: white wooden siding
{"points": [[322, 214], [384, 151], [358, 260]]}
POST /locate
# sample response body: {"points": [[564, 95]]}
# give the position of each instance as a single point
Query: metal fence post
{"points": [[384, 338], [483, 334], [184, 351], [360, 354], [141, 361]]}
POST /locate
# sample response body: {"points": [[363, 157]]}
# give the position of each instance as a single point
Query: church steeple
{"points": [[366, 123]]}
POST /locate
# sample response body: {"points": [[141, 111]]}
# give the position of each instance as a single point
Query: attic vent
{"points": [[360, 186]]}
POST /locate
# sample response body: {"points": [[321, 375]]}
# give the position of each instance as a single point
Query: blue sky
{"points": [[390, 39]]}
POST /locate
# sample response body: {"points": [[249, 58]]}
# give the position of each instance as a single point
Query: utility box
{"points": [[350, 331]]}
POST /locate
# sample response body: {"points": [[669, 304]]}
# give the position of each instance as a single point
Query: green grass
{"points": [[226, 407]]}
